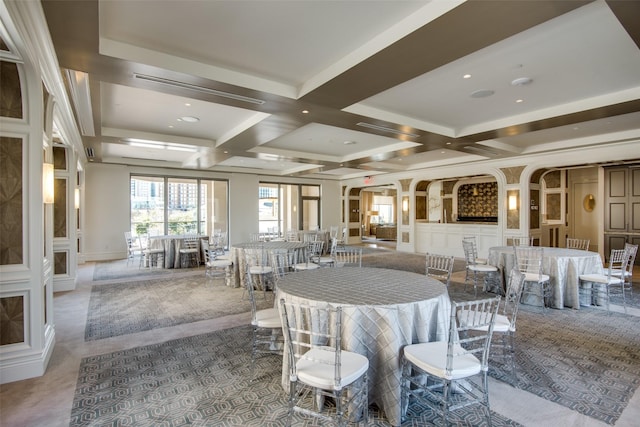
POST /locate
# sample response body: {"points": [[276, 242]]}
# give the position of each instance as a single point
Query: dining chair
{"points": [[292, 236], [439, 267], [473, 240], [602, 283], [133, 248], [505, 323], [627, 273], [282, 263], [448, 375], [256, 261], [582, 244], [214, 267], [475, 271], [267, 335], [312, 253], [319, 368], [326, 260], [348, 257], [190, 250], [153, 257], [528, 260]]}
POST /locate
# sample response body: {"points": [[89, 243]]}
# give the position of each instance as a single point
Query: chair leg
{"points": [[485, 392]]}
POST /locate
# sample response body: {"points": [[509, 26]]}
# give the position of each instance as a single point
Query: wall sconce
{"points": [[47, 183], [76, 198], [513, 203], [405, 205]]}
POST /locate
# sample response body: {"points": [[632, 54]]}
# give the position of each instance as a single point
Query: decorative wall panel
{"points": [[11, 201], [60, 158], [3, 46], [60, 208], [478, 200], [554, 212], [512, 175], [552, 179], [11, 320], [11, 100], [60, 263]]}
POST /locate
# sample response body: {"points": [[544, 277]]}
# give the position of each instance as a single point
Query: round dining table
{"points": [[564, 267], [383, 310]]}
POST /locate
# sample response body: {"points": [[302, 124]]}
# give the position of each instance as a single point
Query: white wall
{"points": [[107, 205]]}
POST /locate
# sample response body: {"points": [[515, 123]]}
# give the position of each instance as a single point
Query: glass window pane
{"points": [[182, 206], [310, 190], [213, 206], [147, 205]]}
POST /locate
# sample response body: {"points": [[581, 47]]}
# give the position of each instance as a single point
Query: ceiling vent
{"points": [[201, 89], [386, 129], [90, 152]]}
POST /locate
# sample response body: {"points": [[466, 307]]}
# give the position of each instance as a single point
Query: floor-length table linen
{"points": [[238, 258], [171, 245], [383, 310], [564, 267]]}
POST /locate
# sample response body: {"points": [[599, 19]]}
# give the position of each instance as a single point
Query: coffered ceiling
{"points": [[341, 89]]}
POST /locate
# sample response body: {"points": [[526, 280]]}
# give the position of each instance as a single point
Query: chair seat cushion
{"points": [[260, 269], [620, 273], [323, 260], [189, 250], [431, 357], [600, 278], [321, 374], [482, 261], [305, 266], [268, 318], [153, 251], [535, 277], [219, 263], [484, 268], [502, 323]]}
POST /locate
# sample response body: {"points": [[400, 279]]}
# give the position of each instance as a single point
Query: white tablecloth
{"points": [[383, 310], [564, 266], [237, 252]]}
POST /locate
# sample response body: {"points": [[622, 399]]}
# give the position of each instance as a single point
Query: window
{"points": [[169, 205], [285, 207]]}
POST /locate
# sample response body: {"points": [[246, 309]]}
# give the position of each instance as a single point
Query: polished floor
{"points": [[46, 401]]}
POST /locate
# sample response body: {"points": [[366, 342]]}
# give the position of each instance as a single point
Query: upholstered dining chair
{"points": [[448, 375], [439, 267], [602, 283], [319, 368]]}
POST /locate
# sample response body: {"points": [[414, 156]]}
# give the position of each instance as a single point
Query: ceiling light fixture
{"points": [[386, 129], [466, 76], [482, 93], [518, 101], [190, 119], [201, 89], [305, 111], [521, 81], [349, 142]]}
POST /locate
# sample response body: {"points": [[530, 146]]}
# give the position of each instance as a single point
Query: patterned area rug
{"points": [[121, 269], [126, 308], [201, 381]]}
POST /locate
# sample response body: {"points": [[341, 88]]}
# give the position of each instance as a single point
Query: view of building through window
{"points": [[168, 205], [285, 207]]}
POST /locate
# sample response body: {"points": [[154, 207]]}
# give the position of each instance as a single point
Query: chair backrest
{"points": [[529, 259], [282, 262], [439, 267], [256, 255], [309, 237], [132, 243], [515, 286], [618, 260], [314, 248], [350, 256], [306, 327], [471, 328], [470, 252], [190, 241], [633, 251], [333, 231], [582, 244], [521, 241], [292, 236]]}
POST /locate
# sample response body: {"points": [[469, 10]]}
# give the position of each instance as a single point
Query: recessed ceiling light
{"points": [[442, 152], [449, 143], [482, 93], [519, 100], [171, 126], [466, 76], [189, 119], [187, 104], [349, 142], [305, 111]]}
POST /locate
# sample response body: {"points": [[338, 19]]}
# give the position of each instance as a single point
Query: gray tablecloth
{"points": [[171, 245], [383, 310], [564, 266]]}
